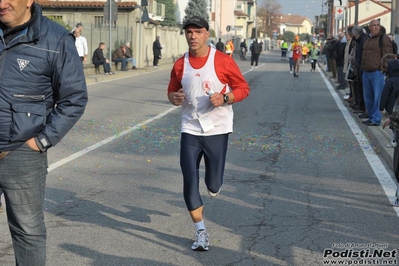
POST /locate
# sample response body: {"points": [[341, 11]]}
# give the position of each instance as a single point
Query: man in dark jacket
{"points": [[243, 49], [43, 94], [339, 61], [220, 45], [330, 50], [373, 78], [389, 99], [390, 92], [156, 49], [99, 59], [360, 37], [256, 49]]}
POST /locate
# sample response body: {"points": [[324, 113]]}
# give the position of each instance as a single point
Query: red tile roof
{"points": [[291, 19], [238, 13]]}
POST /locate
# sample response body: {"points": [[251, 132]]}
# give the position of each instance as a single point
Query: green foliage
{"points": [[59, 21], [196, 8], [170, 13], [289, 36], [212, 33]]}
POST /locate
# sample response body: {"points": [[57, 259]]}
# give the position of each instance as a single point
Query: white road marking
{"points": [[385, 179], [107, 140]]}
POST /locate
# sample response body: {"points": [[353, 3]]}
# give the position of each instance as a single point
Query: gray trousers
{"points": [[22, 178]]}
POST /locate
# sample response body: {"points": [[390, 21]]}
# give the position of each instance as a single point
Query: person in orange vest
{"points": [[305, 51], [229, 50], [230, 42]]}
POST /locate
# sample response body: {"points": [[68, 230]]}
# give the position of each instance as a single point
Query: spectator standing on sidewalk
{"points": [[360, 36], [118, 56], [348, 58], [339, 61], [44, 94], [389, 101], [206, 83], [390, 94], [81, 44], [373, 77], [156, 49], [331, 48], [129, 55]]}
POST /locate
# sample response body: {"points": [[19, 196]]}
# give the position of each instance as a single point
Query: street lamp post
{"points": [[256, 22], [138, 53]]}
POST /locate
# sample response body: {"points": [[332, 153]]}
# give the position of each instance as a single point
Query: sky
{"points": [[308, 8]]}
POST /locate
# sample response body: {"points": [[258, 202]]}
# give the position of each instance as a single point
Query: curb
{"points": [[95, 78]]}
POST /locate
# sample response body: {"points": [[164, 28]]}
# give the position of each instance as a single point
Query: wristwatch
{"points": [[225, 98], [42, 142]]}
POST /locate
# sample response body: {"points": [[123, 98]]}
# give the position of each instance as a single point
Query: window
{"points": [[98, 22], [57, 17], [239, 6], [209, 6]]}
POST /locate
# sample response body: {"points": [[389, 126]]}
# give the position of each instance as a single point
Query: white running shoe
{"points": [[391, 144], [395, 203], [201, 241], [213, 194]]}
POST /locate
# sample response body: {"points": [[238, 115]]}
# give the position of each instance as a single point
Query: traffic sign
{"points": [[340, 3], [339, 12], [112, 6], [228, 28]]}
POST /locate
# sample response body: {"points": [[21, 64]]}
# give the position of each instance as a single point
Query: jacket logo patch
{"points": [[22, 63], [198, 75]]}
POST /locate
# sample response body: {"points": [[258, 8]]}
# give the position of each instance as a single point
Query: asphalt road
{"points": [[303, 179]]}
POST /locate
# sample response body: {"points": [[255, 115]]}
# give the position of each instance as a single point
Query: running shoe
{"points": [[213, 194], [395, 203], [201, 241]]}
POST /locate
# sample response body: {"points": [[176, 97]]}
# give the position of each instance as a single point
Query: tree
{"points": [[196, 8], [289, 36], [170, 13], [60, 21], [268, 13]]}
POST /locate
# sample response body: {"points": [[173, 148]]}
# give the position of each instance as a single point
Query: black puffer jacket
{"points": [[42, 85], [390, 92]]}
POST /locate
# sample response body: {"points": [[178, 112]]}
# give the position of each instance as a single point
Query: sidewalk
{"points": [[94, 78], [379, 137]]}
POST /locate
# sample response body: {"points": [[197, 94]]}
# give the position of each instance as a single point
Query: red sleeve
{"points": [[176, 75], [228, 72]]}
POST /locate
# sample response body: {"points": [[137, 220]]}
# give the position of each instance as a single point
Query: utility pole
{"points": [[356, 12], [256, 21]]}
